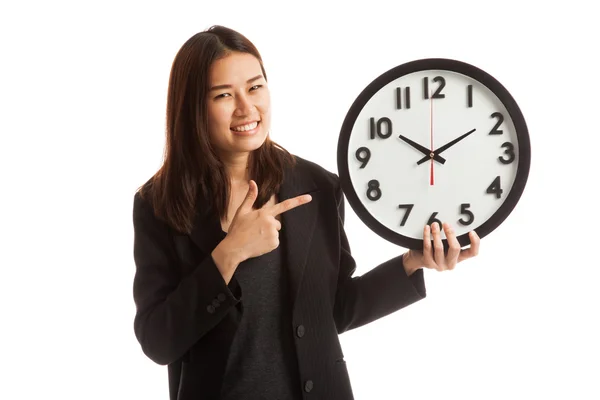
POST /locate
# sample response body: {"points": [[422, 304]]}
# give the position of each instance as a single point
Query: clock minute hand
{"points": [[423, 149], [437, 151]]}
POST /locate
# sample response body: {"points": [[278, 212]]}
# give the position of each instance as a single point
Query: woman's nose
{"points": [[243, 106]]}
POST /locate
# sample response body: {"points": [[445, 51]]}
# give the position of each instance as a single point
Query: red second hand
{"points": [[431, 136]]}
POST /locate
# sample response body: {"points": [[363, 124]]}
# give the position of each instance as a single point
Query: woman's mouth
{"points": [[246, 130]]}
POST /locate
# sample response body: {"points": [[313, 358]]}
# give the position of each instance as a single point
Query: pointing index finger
{"points": [[289, 204]]}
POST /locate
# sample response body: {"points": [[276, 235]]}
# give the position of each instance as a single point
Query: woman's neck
{"points": [[236, 167]]}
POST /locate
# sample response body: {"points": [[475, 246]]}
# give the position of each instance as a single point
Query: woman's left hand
{"points": [[436, 258]]}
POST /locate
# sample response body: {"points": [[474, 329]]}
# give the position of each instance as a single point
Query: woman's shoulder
{"points": [[142, 195], [143, 206], [321, 175]]}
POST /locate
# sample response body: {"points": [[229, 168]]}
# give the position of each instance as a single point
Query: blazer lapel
{"points": [[206, 232], [297, 225]]}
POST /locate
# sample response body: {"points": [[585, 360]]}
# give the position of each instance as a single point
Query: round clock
{"points": [[433, 140]]}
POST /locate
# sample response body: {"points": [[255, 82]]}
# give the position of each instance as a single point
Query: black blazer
{"points": [[186, 316]]}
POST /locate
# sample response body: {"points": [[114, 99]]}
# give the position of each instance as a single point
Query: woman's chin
{"points": [[248, 145]]}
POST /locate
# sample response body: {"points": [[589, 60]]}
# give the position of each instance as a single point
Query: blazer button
{"points": [[300, 331], [308, 385], [221, 297], [216, 303], [210, 309]]}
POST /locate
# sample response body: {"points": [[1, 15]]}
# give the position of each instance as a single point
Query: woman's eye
{"points": [[255, 87], [222, 95]]}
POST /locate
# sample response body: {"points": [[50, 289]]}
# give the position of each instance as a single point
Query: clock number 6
{"points": [[433, 219], [373, 187]]}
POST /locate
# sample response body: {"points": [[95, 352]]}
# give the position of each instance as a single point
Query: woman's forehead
{"points": [[234, 69]]}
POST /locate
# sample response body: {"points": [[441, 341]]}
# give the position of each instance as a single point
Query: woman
{"points": [[243, 270]]}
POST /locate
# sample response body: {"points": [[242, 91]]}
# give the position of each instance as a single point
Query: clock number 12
{"points": [[438, 93]]}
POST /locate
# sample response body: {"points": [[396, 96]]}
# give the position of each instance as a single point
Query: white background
{"points": [[82, 104]]}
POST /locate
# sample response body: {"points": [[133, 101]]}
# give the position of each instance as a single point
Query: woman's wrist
{"points": [[410, 263], [227, 258]]}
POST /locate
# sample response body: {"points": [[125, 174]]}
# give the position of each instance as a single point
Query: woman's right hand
{"points": [[255, 232]]}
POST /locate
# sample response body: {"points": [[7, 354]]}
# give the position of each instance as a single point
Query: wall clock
{"points": [[433, 140]]}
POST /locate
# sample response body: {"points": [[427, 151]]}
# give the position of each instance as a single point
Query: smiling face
{"points": [[238, 104]]}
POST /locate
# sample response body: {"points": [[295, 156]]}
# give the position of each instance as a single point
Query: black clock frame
{"points": [[469, 70]]}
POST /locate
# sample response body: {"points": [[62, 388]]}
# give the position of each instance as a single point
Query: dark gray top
{"points": [[262, 364]]}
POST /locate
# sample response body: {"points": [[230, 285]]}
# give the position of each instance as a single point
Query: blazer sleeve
{"points": [[172, 313], [383, 290]]}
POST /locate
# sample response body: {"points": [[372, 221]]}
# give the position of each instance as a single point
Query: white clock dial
{"points": [[432, 144]]}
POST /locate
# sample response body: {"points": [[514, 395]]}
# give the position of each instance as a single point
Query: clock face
{"points": [[433, 140]]}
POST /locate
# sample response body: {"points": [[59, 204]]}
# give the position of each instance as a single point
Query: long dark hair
{"points": [[190, 162]]}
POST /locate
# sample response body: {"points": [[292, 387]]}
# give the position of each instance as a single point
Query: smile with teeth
{"points": [[247, 127]]}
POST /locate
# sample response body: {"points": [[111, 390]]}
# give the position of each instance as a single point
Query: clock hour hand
{"points": [[423, 150], [436, 152]]}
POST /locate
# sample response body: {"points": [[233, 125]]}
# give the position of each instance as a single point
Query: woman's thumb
{"points": [[251, 196]]}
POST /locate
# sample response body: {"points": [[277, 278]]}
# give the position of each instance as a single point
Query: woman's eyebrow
{"points": [[229, 86]]}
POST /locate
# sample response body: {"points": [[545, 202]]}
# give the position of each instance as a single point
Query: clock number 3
{"points": [[373, 186], [510, 152]]}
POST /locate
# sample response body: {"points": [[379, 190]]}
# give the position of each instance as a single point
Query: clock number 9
{"points": [[373, 187], [510, 151], [364, 159]]}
